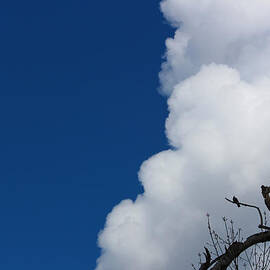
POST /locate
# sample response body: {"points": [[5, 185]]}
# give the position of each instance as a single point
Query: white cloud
{"points": [[225, 32], [219, 129]]}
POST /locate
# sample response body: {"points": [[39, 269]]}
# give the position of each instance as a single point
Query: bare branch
{"points": [[207, 256], [235, 249], [261, 226], [265, 194], [232, 253]]}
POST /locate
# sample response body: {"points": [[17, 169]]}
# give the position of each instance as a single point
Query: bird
{"points": [[235, 200]]}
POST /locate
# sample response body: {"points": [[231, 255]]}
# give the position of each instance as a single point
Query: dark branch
{"points": [[234, 250], [265, 194], [261, 226], [207, 256]]}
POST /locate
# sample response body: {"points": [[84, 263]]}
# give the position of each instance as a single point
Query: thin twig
{"points": [[261, 226]]}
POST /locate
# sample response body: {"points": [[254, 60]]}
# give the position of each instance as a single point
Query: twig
{"points": [[261, 226]]}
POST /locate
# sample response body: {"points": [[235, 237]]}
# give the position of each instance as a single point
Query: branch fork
{"points": [[223, 261]]}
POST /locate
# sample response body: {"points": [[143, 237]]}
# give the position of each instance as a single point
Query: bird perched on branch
{"points": [[235, 200]]}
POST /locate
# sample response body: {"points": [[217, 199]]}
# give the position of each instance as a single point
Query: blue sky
{"points": [[80, 112]]}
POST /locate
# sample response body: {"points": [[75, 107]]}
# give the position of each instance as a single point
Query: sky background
{"points": [[217, 78], [79, 112]]}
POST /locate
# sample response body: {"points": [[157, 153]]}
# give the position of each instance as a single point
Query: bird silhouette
{"points": [[235, 200]]}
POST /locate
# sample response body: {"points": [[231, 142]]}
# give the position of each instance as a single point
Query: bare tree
{"points": [[232, 251]]}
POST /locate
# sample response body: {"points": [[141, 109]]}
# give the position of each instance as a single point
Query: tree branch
{"points": [[234, 250], [261, 226], [265, 194], [207, 256]]}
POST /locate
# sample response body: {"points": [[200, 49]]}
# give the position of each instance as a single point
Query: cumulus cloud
{"points": [[217, 78], [235, 33]]}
